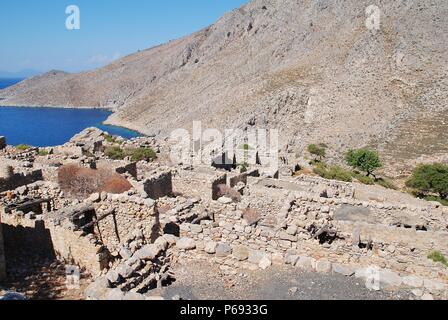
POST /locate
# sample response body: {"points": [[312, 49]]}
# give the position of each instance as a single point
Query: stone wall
{"points": [[69, 246], [311, 232], [159, 184], [2, 254], [200, 183], [118, 166], [19, 179], [316, 184], [132, 214]]}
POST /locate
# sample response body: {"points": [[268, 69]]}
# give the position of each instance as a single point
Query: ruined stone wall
{"points": [[202, 185], [132, 214], [2, 254], [289, 221], [316, 184], [19, 179], [159, 184], [69, 246]]}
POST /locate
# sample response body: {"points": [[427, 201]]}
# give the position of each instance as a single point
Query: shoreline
{"points": [[106, 122]]}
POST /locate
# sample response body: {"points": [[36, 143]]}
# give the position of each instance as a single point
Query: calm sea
{"points": [[50, 126]]}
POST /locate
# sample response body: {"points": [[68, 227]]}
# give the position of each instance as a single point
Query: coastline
{"points": [[107, 122]]}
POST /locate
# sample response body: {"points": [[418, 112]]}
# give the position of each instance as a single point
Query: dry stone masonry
{"points": [[129, 242]]}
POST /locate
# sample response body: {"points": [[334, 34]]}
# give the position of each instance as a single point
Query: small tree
{"points": [[430, 178], [364, 159], [317, 150]]}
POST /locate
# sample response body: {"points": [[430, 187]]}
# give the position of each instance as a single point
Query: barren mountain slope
{"points": [[308, 67]]}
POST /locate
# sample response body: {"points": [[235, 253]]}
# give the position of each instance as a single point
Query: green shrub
{"points": [[317, 150], [386, 183], [23, 147], [43, 153], [443, 202], [115, 153], [430, 178], [332, 172], [364, 159], [436, 256], [364, 179], [141, 154], [110, 139]]}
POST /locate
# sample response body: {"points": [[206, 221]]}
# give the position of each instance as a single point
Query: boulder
{"points": [[413, 281], [223, 250], [186, 244], [210, 247], [114, 295], [255, 256], [343, 269], [306, 263], [241, 252], [97, 289], [265, 263], [148, 252], [323, 266]]}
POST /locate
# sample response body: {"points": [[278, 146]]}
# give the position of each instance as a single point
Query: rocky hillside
{"points": [[311, 68]]}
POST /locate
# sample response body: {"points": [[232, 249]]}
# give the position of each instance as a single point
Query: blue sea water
{"points": [[4, 83], [42, 127]]}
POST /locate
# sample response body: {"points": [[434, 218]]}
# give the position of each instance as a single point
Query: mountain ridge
{"points": [[310, 68]]}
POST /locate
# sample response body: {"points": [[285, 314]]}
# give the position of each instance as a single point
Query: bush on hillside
{"points": [[23, 147], [332, 172], [430, 179], [141, 154], [318, 151], [115, 153], [364, 159]]}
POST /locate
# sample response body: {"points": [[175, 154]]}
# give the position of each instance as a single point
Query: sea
{"points": [[41, 127]]}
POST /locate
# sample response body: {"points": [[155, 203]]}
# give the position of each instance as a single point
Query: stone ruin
{"points": [[239, 220], [2, 254]]}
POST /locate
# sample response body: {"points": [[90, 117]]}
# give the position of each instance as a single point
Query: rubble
{"points": [[128, 242]]}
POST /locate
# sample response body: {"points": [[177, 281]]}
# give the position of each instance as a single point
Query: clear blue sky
{"points": [[33, 33]]}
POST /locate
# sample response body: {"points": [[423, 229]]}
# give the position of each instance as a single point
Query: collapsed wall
{"points": [[275, 225], [10, 180], [2, 254]]}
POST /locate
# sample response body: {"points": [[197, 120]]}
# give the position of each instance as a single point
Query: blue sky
{"points": [[33, 33]]}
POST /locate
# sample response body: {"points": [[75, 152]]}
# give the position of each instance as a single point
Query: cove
{"points": [[41, 127]]}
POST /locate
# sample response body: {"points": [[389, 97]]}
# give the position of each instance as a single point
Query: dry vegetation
{"points": [[82, 182]]}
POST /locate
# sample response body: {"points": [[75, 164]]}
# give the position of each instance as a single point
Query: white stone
{"points": [[225, 200], [389, 278], [413, 281], [427, 296], [343, 269], [186, 244], [433, 285], [210, 247], [265, 263], [306, 263], [323, 266]]}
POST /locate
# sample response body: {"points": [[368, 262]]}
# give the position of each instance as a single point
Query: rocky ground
{"points": [[198, 232], [197, 281], [43, 281]]}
